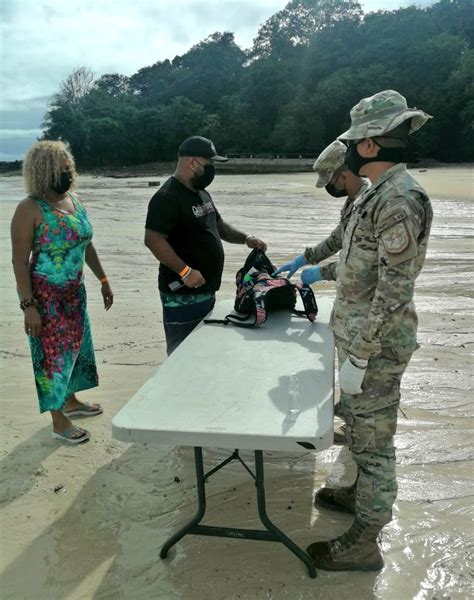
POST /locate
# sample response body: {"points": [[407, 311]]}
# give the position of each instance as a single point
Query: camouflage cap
{"points": [[381, 113], [330, 159]]}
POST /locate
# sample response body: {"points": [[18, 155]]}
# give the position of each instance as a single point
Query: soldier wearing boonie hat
{"points": [[381, 113], [374, 320]]}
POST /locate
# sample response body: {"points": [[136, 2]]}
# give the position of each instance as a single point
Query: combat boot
{"points": [[355, 550], [338, 499]]}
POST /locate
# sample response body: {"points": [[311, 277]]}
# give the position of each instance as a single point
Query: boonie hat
{"points": [[329, 161], [200, 146], [380, 113]]}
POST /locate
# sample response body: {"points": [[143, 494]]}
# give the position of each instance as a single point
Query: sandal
{"points": [[68, 435], [85, 410]]}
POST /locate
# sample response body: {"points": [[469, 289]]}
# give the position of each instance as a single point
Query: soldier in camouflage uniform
{"points": [[338, 181], [374, 319]]}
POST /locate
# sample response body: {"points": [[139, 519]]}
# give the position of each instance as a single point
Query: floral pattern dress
{"points": [[63, 354]]}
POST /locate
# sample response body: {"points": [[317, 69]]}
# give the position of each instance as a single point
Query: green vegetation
{"points": [[290, 93]]}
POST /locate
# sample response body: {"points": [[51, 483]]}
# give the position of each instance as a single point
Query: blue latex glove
{"points": [[291, 266], [311, 275]]}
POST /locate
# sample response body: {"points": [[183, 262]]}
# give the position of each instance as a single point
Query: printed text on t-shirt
{"points": [[200, 210]]}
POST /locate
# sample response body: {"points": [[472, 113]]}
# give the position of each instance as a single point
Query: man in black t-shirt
{"points": [[184, 232]]}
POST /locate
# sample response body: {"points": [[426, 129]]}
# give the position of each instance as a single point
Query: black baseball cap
{"points": [[200, 146]]}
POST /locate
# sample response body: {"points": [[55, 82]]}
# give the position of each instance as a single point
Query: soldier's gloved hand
{"points": [[311, 275], [351, 375], [291, 266]]}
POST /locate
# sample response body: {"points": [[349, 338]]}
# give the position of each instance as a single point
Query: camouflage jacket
{"points": [[383, 251], [333, 243]]}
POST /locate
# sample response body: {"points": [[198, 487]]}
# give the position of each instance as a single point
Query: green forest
{"points": [[289, 94]]}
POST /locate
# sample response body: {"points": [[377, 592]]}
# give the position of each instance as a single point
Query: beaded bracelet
{"points": [[24, 304], [104, 280]]}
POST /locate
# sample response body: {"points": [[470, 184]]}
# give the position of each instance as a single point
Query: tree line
{"points": [[290, 93]]}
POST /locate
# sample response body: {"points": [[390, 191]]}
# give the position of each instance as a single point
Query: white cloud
{"points": [[43, 41], [375, 5]]}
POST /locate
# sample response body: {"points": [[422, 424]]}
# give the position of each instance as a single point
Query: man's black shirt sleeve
{"points": [[163, 214]]}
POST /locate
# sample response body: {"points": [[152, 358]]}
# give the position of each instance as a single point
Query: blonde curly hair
{"points": [[43, 164]]}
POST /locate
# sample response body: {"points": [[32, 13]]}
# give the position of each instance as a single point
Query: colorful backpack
{"points": [[259, 292]]}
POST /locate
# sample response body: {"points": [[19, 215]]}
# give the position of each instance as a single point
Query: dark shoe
{"points": [[338, 499], [355, 550]]}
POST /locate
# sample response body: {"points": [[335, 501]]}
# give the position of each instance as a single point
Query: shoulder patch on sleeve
{"points": [[396, 238], [389, 221]]}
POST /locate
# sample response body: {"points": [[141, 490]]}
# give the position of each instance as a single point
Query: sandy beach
{"points": [[99, 536]]}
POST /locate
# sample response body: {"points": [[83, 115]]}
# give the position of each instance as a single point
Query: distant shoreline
{"points": [[235, 166]]}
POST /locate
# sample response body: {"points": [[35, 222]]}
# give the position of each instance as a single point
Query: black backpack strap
{"points": [[258, 259], [234, 320], [309, 302], [216, 321]]}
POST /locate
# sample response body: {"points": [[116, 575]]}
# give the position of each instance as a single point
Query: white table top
{"points": [[228, 387]]}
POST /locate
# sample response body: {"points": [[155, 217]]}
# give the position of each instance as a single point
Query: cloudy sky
{"points": [[44, 40]]}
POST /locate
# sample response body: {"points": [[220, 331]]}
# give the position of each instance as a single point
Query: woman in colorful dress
{"points": [[51, 239]]}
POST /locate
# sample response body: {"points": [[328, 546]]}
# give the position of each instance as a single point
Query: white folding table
{"points": [[231, 387]]}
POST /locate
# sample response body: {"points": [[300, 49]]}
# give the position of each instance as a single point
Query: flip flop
{"points": [[86, 410], [67, 435]]}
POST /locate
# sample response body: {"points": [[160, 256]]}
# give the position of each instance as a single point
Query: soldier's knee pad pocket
{"points": [[361, 431], [372, 432]]}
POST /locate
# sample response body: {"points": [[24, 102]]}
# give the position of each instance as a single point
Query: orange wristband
{"points": [[184, 271], [104, 280]]}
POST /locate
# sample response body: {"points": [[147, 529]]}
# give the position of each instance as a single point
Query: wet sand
{"points": [[99, 537]]}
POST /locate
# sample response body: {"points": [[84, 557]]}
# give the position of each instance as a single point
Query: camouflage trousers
{"points": [[371, 419]]}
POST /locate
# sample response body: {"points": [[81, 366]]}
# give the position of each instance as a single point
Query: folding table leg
{"points": [[262, 512], [272, 533], [201, 494]]}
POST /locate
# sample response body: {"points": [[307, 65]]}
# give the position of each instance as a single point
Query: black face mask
{"points": [[63, 184], [354, 161], [199, 182], [331, 189]]}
